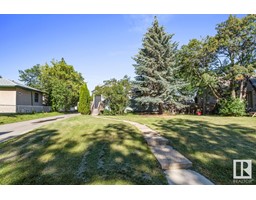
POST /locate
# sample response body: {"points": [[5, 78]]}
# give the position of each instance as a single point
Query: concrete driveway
{"points": [[9, 131]]}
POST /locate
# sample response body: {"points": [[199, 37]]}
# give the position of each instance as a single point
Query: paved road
{"points": [[9, 131]]}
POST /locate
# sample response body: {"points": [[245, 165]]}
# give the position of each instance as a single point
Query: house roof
{"points": [[8, 83], [253, 81]]}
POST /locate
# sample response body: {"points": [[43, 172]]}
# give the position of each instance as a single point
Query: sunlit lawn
{"points": [[210, 142], [11, 118], [80, 150]]}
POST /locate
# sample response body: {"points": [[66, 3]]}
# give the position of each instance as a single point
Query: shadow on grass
{"points": [[114, 154], [9, 115], [5, 132], [211, 147], [47, 120]]}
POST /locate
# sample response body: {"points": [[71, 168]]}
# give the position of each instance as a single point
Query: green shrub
{"points": [[107, 112], [232, 107], [84, 100]]}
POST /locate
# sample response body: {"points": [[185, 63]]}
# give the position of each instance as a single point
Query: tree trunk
{"points": [[204, 102], [232, 84], [215, 92], [244, 92], [232, 89], [160, 108], [241, 90]]}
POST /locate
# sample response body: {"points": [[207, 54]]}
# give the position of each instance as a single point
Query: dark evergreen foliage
{"points": [[157, 83], [84, 100]]}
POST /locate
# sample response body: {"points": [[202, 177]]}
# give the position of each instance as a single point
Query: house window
{"points": [[36, 97]]}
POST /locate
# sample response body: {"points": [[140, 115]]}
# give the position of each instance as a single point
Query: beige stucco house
{"points": [[18, 98]]}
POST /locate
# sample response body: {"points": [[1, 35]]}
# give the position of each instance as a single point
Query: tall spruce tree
{"points": [[157, 83]]}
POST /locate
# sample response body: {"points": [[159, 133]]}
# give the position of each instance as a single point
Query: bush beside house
{"points": [[232, 107]]}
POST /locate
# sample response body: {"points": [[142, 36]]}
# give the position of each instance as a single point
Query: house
{"points": [[208, 102], [18, 98], [251, 94]]}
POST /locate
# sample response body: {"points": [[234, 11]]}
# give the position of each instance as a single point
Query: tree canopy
{"points": [[116, 94], [158, 82], [236, 50], [166, 77], [31, 77], [59, 80], [224, 62]]}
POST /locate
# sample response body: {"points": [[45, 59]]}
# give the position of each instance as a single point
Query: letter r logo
{"points": [[242, 169]]}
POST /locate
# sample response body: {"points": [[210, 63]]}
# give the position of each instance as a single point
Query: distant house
{"points": [[210, 101], [99, 104], [251, 94], [18, 98]]}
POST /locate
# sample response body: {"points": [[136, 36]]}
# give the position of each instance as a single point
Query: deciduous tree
{"points": [[237, 52], [59, 80], [116, 94], [31, 77]]}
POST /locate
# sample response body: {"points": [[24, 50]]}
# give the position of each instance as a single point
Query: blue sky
{"points": [[99, 46]]}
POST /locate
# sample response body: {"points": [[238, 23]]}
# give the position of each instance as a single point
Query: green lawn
{"points": [[210, 142], [11, 118], [80, 150]]}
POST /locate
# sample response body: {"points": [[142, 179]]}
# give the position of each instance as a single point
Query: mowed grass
{"points": [[11, 118], [80, 150], [210, 142]]}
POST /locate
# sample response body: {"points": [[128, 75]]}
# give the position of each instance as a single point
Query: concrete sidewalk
{"points": [[174, 165], [9, 131]]}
